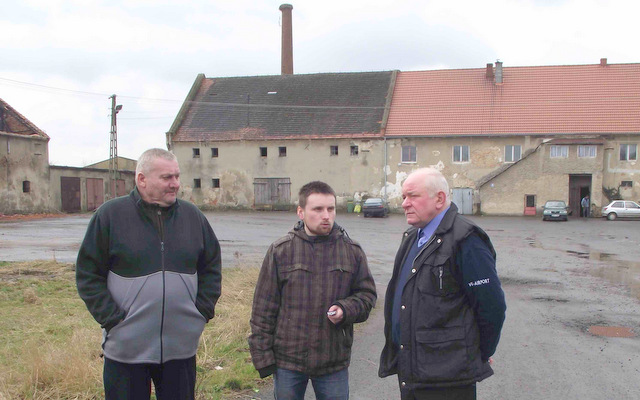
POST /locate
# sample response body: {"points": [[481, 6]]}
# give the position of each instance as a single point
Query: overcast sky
{"points": [[62, 59]]}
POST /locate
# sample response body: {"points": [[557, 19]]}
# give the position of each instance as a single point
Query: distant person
{"points": [[444, 306], [313, 286], [149, 272], [585, 206]]}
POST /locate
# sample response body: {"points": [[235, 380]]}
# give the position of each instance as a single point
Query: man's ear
{"points": [[442, 199], [141, 180], [300, 212]]}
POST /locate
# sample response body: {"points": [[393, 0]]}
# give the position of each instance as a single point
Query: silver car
{"points": [[621, 209]]}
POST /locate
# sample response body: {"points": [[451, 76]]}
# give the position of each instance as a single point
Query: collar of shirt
{"points": [[424, 234]]}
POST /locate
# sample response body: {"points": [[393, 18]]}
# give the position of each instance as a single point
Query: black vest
{"points": [[439, 337]]}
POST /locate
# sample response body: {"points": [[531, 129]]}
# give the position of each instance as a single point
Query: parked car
{"points": [[621, 209], [555, 210], [375, 206]]}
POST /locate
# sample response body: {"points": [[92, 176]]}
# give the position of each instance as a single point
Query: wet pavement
{"points": [[573, 296]]}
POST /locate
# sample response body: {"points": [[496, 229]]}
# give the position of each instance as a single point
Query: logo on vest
{"points": [[479, 282]]}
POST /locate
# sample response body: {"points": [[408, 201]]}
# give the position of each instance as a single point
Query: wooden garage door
{"points": [[70, 191], [95, 193]]}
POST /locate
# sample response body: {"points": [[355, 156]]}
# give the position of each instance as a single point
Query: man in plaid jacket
{"points": [[313, 286]]}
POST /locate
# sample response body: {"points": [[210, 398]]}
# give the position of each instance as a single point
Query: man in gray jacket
{"points": [[149, 272], [313, 286]]}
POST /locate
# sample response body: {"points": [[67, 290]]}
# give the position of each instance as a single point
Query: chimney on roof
{"points": [[603, 62], [498, 71], [489, 74], [287, 40]]}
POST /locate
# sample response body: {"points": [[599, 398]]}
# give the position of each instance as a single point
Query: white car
{"points": [[621, 209]]}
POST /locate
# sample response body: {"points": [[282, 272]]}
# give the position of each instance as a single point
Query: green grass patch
{"points": [[50, 344]]}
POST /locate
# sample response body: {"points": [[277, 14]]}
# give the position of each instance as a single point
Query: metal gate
{"points": [[463, 199], [272, 193], [95, 193], [70, 191]]}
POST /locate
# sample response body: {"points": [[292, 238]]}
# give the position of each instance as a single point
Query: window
{"points": [[282, 151], [26, 186], [559, 152], [196, 153], [626, 184], [214, 152], [263, 151], [354, 150], [512, 153], [460, 154], [585, 151], [196, 183], [334, 150], [628, 152], [408, 154], [215, 182]]}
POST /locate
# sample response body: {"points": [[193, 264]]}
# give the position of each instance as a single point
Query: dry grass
{"points": [[50, 345]]}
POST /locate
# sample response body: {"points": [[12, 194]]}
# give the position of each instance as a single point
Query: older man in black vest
{"points": [[444, 305]]}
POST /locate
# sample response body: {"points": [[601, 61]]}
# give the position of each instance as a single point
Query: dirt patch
{"points": [[29, 217], [12, 272]]}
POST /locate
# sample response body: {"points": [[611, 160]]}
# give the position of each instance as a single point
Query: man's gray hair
{"points": [[434, 181], [149, 155]]}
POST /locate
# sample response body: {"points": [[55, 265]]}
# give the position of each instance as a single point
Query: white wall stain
{"points": [[439, 166]]}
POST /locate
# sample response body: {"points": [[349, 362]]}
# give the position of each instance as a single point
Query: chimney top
{"points": [[603, 62], [285, 6]]}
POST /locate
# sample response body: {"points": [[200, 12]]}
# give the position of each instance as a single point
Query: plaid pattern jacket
{"points": [[301, 277]]}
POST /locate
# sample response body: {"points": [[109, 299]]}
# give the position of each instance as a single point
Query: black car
{"points": [[375, 207]]}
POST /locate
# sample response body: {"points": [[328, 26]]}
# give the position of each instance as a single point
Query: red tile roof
{"points": [[15, 123], [531, 100]]}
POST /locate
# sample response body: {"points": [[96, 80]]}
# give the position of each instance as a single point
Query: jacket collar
{"points": [[336, 231], [445, 224], [141, 204]]}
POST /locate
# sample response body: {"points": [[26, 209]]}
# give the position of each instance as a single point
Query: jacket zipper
{"points": [[441, 272], [161, 228]]}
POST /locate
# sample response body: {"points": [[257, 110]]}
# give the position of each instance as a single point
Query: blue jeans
{"points": [[291, 385]]}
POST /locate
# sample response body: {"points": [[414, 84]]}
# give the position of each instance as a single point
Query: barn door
{"points": [[272, 193]]}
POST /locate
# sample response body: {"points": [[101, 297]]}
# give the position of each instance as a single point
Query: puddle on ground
{"points": [[617, 271], [611, 268], [611, 331]]}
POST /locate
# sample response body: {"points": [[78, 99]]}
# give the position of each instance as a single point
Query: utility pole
{"points": [[113, 148]]}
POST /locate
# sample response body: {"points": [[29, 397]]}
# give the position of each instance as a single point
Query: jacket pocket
{"points": [[441, 354], [437, 279]]}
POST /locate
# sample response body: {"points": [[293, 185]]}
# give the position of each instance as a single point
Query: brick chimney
{"points": [[489, 74], [287, 40], [603, 62]]}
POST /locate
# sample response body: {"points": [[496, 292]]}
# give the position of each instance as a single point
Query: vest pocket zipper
{"points": [[441, 273]]}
